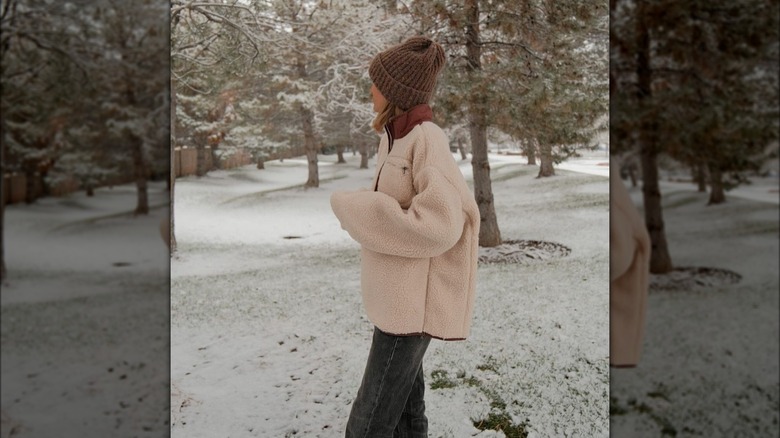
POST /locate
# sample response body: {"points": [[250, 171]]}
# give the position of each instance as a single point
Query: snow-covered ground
{"points": [[591, 162], [710, 361], [269, 336], [85, 317]]}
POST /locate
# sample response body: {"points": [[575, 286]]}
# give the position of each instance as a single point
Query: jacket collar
{"points": [[401, 125]]}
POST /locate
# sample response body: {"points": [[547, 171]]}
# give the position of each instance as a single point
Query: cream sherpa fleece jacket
{"points": [[629, 270], [419, 233]]}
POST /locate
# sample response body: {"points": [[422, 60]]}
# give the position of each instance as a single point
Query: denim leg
{"points": [[413, 422], [394, 363]]}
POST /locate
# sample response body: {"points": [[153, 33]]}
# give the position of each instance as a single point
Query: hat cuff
{"points": [[403, 96]]}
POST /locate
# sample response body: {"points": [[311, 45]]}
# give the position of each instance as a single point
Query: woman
{"points": [[418, 226]]}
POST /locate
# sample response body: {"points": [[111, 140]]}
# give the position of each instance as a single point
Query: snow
{"points": [[85, 342], [589, 165], [269, 336], [760, 189], [710, 356]]}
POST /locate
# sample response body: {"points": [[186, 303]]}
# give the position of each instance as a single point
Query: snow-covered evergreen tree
{"points": [[696, 80], [536, 70]]}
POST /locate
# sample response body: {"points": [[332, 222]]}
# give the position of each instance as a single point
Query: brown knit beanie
{"points": [[406, 74]]}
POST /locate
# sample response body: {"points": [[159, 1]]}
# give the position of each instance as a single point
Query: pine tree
{"points": [[135, 93], [210, 42], [698, 81], [535, 70], [715, 57], [45, 62]]}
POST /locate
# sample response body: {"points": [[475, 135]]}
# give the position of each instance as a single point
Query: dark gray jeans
{"points": [[390, 401]]}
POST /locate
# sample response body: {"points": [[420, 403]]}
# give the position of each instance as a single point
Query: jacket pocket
{"points": [[395, 179]]}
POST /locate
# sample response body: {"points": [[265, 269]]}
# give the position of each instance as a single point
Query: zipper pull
{"points": [[404, 169]]}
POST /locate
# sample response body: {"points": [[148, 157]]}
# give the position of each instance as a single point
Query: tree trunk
{"points": [[310, 146], [172, 176], [545, 156], [701, 176], [140, 168], [660, 261], [260, 163], [216, 164], [340, 153], [29, 177], [530, 152], [307, 122], [632, 173], [200, 168], [489, 234], [90, 189], [717, 195], [462, 149], [363, 154], [2, 200]]}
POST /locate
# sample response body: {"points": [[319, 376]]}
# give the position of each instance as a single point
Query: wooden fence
{"points": [[15, 187], [185, 161]]}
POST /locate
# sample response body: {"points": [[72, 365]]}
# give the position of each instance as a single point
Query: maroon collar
{"points": [[403, 124]]}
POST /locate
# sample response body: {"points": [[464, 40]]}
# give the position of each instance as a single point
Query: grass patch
{"points": [[472, 381], [758, 227], [496, 402], [667, 429], [93, 220], [580, 201], [258, 195], [615, 408], [243, 175], [501, 422], [518, 171], [657, 394], [677, 198], [441, 380], [498, 419], [74, 203], [490, 365]]}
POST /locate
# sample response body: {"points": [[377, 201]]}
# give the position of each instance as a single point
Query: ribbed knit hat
{"points": [[406, 74]]}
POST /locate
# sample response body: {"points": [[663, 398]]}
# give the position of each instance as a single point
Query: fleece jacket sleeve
{"points": [[432, 224]]}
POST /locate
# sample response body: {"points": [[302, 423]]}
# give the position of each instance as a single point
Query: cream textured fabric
{"points": [[419, 235], [406, 74], [629, 270]]}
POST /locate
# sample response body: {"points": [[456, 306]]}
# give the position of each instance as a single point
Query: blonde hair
{"points": [[389, 112]]}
